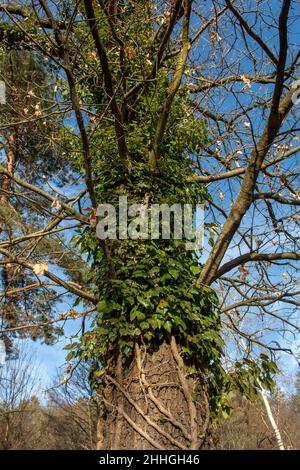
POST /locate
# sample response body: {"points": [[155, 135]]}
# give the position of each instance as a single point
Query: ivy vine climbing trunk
{"points": [[153, 403], [157, 336]]}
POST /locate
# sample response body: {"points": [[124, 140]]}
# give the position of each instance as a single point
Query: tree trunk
{"points": [[153, 403]]}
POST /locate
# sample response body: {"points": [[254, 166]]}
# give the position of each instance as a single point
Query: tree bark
{"points": [[153, 403]]}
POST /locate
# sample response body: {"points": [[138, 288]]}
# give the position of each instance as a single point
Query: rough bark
{"points": [[153, 403]]}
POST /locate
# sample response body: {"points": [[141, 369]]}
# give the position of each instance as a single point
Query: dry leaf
{"points": [[37, 111], [214, 36], [258, 243], [56, 204], [93, 218], [244, 271], [246, 80], [40, 268], [92, 55], [130, 52], [64, 380], [283, 180]]}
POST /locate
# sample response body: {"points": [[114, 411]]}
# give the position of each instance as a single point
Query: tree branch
{"points": [[251, 32], [71, 287], [69, 210], [254, 256], [108, 81], [245, 195], [173, 86], [65, 56], [25, 12]]}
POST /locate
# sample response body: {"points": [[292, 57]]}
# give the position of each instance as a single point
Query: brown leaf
{"points": [[246, 80], [40, 268], [130, 52], [56, 204]]}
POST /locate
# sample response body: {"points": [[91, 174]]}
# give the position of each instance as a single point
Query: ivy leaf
{"points": [[70, 356], [195, 270], [137, 314], [143, 301], [168, 326], [174, 273]]}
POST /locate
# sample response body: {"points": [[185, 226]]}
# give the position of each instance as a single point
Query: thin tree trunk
{"points": [[271, 419], [268, 408]]}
